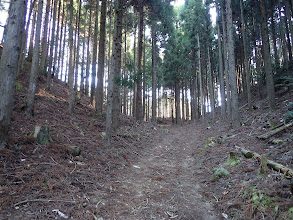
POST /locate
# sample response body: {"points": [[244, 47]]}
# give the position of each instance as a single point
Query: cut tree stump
{"points": [[42, 135], [288, 173], [275, 131]]}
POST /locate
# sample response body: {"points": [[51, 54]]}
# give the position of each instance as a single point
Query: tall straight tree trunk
{"points": [[49, 75], [144, 77], [24, 37], [283, 39], [139, 65], [101, 59], [246, 65], [177, 102], [57, 41], [83, 57], [200, 81], [274, 38], [211, 86], [63, 51], [8, 64], [109, 42], [288, 35], [44, 44], [35, 62], [60, 41], [134, 73], [226, 66], [154, 71], [232, 71], [95, 51], [71, 98], [114, 70], [186, 103], [32, 34], [77, 48], [87, 73], [221, 73], [183, 104], [267, 57]]}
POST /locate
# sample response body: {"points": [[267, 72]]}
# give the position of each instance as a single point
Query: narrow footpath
{"points": [[162, 183]]}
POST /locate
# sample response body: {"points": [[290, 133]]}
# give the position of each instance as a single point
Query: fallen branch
{"points": [[43, 200], [275, 131], [288, 173]]}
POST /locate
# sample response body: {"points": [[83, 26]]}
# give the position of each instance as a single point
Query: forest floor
{"points": [[152, 171]]}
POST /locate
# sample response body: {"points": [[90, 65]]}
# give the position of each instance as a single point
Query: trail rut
{"points": [[162, 183]]}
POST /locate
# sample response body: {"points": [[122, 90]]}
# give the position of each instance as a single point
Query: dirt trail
{"points": [[161, 184]]}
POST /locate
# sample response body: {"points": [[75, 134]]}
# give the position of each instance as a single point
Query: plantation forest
{"points": [[146, 109]]}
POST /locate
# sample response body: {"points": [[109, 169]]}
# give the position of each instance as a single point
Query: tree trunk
{"points": [[211, 86], [183, 104], [71, 98], [267, 56], [57, 42], [177, 102], [221, 73], [35, 62], [49, 75], [101, 61], [134, 73], [154, 72], [60, 42], [32, 34], [82, 60], [283, 40], [87, 74], [200, 81], [139, 64], [95, 50], [77, 48], [226, 66], [273, 30], [24, 37], [114, 70], [44, 49], [186, 103], [144, 77], [246, 64], [63, 51], [232, 71], [8, 64]]}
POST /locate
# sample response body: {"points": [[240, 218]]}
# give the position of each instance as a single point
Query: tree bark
{"points": [[221, 73], [211, 86], [76, 70], [95, 50], [267, 57], [49, 75], [44, 46], [139, 64], [71, 98], [87, 74], [226, 63], [32, 34], [246, 64], [114, 70], [200, 81], [101, 61], [232, 71], [154, 72], [8, 64], [177, 102], [35, 62]]}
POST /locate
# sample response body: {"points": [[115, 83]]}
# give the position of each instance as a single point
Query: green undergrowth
{"points": [[220, 173]]}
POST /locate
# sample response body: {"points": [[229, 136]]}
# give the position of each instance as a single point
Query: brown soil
{"points": [[150, 172]]}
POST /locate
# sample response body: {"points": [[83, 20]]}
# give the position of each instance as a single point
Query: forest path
{"points": [[162, 183]]}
